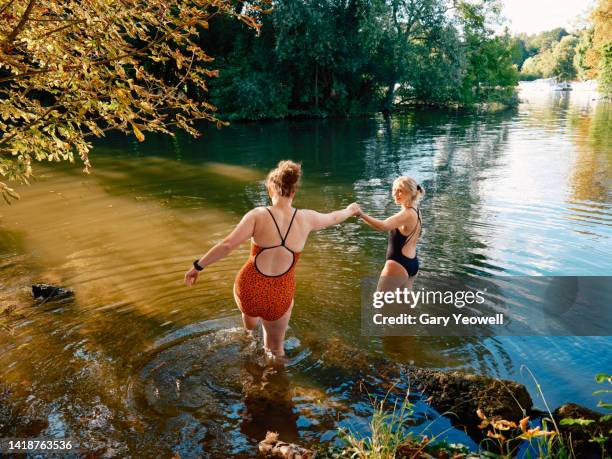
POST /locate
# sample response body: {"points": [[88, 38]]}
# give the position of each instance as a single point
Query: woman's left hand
{"points": [[191, 277]]}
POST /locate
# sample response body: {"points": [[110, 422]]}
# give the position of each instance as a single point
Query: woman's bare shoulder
{"points": [[260, 210], [407, 215]]}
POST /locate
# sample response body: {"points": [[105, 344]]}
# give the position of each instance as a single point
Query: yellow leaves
{"points": [[120, 71], [504, 425], [524, 423], [498, 426], [96, 75], [122, 95], [210, 73], [8, 193], [146, 105], [501, 425], [137, 132], [528, 434], [535, 433]]}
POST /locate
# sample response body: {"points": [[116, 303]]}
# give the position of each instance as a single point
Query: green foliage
{"points": [[597, 57], [545, 40], [605, 69], [339, 57], [555, 61], [585, 43], [527, 46], [563, 58], [576, 422], [388, 432], [519, 51]]}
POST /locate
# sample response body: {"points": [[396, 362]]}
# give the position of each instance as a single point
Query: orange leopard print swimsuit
{"points": [[261, 295]]}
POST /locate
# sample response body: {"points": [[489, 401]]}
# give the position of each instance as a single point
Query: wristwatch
{"points": [[197, 266]]}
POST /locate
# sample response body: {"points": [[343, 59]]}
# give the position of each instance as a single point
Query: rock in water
{"points": [[46, 291], [273, 447], [463, 394], [581, 433]]}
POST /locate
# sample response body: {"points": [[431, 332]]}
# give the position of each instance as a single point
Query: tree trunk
{"points": [[390, 97], [317, 85]]}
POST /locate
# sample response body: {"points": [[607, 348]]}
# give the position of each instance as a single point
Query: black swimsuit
{"points": [[396, 243]]}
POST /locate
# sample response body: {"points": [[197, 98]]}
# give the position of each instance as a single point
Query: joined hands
{"points": [[355, 209]]}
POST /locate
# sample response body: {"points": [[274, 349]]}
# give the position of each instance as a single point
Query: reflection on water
{"points": [[516, 193]]}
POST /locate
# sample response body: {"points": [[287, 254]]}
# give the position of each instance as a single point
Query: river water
{"points": [[138, 364]]}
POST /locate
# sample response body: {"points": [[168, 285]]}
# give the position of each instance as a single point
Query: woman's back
{"points": [[280, 234]]}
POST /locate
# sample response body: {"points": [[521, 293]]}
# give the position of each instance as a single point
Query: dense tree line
{"points": [[326, 57], [584, 54]]}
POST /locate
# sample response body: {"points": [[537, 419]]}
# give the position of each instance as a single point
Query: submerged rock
{"points": [[273, 447], [47, 291], [463, 394], [335, 355], [580, 433]]}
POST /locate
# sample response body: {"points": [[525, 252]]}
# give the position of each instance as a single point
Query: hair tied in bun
{"points": [[284, 179]]}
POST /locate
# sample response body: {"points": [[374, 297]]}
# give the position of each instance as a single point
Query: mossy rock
{"points": [[462, 394]]}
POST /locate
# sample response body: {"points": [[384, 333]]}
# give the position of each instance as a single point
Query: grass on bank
{"points": [[390, 436]]}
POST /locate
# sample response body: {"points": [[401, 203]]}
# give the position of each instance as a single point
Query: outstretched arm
{"points": [[388, 224], [242, 232], [318, 221]]}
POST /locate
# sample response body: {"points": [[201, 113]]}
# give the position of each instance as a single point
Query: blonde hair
{"points": [[413, 190], [285, 178]]}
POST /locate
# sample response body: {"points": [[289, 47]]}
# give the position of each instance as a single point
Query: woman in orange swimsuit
{"points": [[265, 286]]}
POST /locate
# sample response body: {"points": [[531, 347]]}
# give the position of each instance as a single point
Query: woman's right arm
{"points": [[387, 224], [318, 221], [242, 232]]}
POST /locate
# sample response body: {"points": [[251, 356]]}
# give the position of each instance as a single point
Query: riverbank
{"points": [[494, 105], [499, 415]]}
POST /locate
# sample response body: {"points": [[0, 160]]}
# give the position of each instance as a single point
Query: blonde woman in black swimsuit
{"points": [[404, 229]]}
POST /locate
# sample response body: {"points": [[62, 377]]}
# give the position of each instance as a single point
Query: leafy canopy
{"points": [[74, 69]]}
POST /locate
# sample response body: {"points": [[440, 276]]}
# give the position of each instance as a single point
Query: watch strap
{"points": [[197, 266]]}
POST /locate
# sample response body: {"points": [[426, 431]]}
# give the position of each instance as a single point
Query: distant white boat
{"points": [[552, 83], [562, 86]]}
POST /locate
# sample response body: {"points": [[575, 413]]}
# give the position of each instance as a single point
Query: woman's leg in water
{"points": [[410, 282], [393, 276], [274, 333], [250, 323]]}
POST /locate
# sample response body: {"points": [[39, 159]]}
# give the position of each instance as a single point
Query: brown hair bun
{"points": [[285, 178]]}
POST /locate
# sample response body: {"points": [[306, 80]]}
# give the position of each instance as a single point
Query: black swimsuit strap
{"points": [[283, 239], [275, 224], [289, 228], [415, 226]]}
